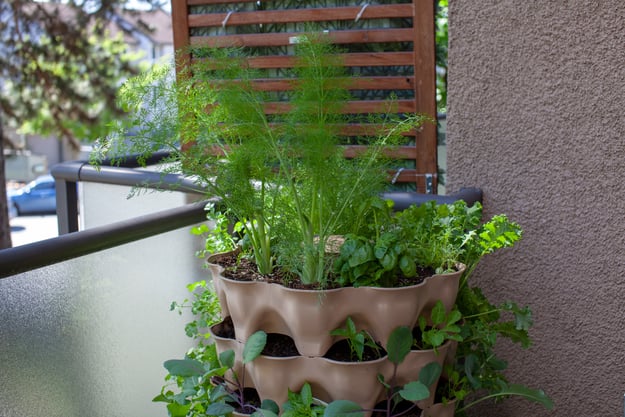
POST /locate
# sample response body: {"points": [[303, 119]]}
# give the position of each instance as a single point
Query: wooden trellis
{"points": [[390, 52]]}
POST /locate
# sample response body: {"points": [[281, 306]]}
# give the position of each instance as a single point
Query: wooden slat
{"points": [[352, 151], [354, 107], [301, 15], [283, 39], [398, 152], [356, 83], [368, 59], [409, 176]]}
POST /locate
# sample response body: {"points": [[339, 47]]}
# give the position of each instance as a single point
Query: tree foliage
{"points": [[59, 72], [60, 68]]}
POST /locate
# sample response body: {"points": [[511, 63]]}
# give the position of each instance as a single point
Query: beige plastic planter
{"points": [[440, 410], [309, 316], [330, 380]]}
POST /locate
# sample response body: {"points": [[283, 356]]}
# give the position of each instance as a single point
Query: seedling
{"points": [[398, 347], [357, 340], [439, 328]]}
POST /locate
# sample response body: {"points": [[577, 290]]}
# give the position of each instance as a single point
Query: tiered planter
{"points": [[440, 410], [330, 380], [309, 316]]}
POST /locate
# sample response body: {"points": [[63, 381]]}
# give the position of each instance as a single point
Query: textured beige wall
{"points": [[536, 103]]}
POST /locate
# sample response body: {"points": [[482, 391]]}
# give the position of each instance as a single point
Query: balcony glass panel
{"points": [[88, 337]]}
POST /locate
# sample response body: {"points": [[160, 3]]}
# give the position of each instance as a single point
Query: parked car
{"points": [[12, 209], [36, 197]]}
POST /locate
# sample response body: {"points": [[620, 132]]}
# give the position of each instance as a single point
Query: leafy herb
{"points": [[398, 347], [210, 386], [302, 404], [428, 236], [357, 340], [204, 306], [439, 328]]}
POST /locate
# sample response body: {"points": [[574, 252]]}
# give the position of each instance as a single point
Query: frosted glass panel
{"points": [[87, 337]]}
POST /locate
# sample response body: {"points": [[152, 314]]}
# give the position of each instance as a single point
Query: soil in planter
{"points": [[410, 409], [252, 401], [341, 352], [280, 345], [243, 269], [225, 329], [417, 336]]}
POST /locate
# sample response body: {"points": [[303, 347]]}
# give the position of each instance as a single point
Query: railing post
{"points": [[66, 206]]}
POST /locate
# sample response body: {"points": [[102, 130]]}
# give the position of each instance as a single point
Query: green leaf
{"points": [[363, 254], [226, 358], [380, 250], [219, 409], [306, 394], [408, 266], [184, 367], [264, 413], [430, 373], [351, 326], [383, 382], [438, 313], [270, 405], [254, 346], [178, 410], [470, 366], [536, 395], [414, 391], [160, 398], [399, 344], [343, 408], [358, 343], [434, 337], [389, 260], [454, 317]]}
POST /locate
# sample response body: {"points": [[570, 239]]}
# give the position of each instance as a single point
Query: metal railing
{"points": [[72, 243]]}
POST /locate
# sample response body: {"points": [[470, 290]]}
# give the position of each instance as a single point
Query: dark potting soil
{"points": [[251, 401], [280, 345], [403, 409], [225, 329], [341, 352], [241, 268]]}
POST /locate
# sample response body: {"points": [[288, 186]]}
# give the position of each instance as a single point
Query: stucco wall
{"points": [[536, 103]]}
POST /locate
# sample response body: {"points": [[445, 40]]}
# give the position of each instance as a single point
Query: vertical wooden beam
{"points": [[425, 89], [180, 26]]}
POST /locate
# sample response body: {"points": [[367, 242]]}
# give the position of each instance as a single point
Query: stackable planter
{"points": [[330, 379], [309, 316], [440, 410]]}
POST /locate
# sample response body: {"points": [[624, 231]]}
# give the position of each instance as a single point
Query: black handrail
{"points": [[72, 243], [404, 200], [68, 174], [54, 250]]}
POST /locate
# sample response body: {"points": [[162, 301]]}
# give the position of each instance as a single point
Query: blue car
{"points": [[36, 197]]}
